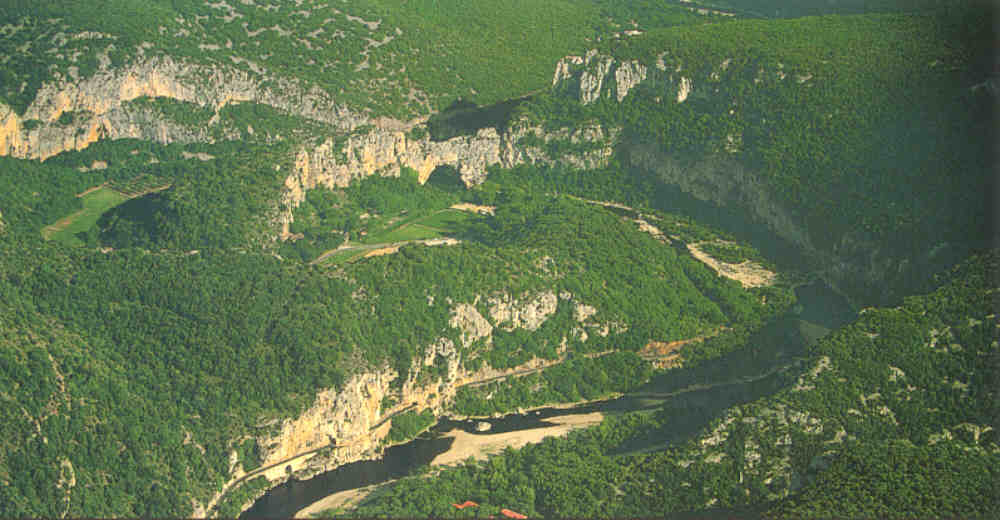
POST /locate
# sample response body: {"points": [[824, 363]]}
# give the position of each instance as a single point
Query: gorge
{"points": [[758, 243]]}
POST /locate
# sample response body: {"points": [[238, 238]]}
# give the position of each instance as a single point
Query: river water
{"points": [[766, 364]]}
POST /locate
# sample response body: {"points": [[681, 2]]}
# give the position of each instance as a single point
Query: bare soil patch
{"points": [[382, 252], [748, 273]]}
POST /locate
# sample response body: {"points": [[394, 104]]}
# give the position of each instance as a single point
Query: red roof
{"points": [[511, 514], [467, 503]]}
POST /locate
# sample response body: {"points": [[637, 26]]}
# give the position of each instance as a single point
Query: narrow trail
{"points": [[383, 245]]}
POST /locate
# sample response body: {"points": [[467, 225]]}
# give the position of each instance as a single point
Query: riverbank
{"points": [[464, 446], [480, 446], [340, 500]]}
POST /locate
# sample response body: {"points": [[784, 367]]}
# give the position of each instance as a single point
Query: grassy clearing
{"points": [[435, 225], [449, 220], [95, 204]]}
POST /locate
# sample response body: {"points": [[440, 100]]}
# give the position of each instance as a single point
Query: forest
{"points": [[443, 50], [156, 329]]}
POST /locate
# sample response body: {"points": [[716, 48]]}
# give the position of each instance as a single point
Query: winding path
{"points": [[374, 247]]}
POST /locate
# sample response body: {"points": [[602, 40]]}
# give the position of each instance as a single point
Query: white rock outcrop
{"points": [[525, 313], [473, 325], [627, 76]]}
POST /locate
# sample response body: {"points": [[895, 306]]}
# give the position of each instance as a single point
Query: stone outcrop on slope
{"points": [[470, 322], [385, 152], [594, 75], [524, 313], [97, 104]]}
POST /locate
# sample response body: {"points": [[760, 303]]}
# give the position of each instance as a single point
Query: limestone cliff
{"points": [[724, 181], [385, 150], [527, 313], [96, 104]]}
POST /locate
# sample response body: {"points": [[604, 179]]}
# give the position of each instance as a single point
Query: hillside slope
{"points": [[864, 141], [239, 239]]}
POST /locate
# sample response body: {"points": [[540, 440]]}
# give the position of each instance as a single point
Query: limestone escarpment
{"points": [[385, 151], [342, 426], [473, 325], [342, 416], [854, 263], [332, 164], [594, 75], [96, 104]]}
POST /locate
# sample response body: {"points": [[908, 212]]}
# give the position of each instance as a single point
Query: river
{"points": [[766, 364]]}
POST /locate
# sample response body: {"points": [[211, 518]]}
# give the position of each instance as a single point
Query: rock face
{"points": [[96, 103], [350, 425], [723, 181], [473, 325], [385, 151], [344, 416], [529, 312], [628, 75], [852, 263], [595, 75]]}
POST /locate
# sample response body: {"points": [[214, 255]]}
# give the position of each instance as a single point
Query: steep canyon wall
{"points": [[96, 104]]}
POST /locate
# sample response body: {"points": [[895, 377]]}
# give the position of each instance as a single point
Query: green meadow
{"points": [[95, 204]]}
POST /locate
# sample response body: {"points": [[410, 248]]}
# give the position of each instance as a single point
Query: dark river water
{"points": [[692, 397]]}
